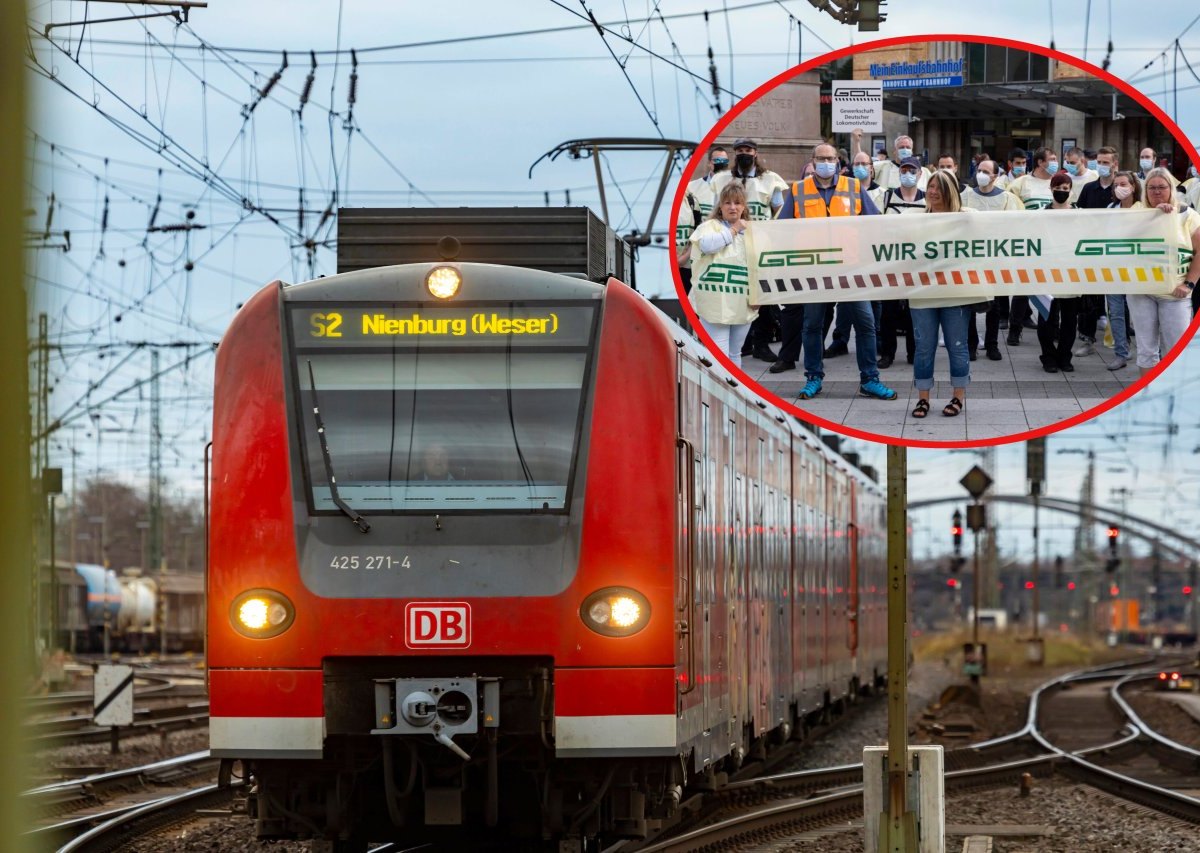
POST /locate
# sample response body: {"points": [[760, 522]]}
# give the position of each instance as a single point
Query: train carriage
{"points": [[498, 550]]}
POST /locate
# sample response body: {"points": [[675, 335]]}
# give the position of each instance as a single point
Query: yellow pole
{"points": [[897, 825]]}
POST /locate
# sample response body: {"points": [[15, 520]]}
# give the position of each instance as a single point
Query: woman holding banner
{"points": [[720, 274], [1161, 320], [950, 315]]}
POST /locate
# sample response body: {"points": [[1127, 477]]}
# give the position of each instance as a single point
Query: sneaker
{"points": [[834, 350], [780, 365], [811, 388], [1084, 349], [1117, 363], [1102, 322], [993, 353], [875, 389]]}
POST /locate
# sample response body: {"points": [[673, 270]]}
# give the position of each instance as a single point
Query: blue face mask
{"points": [[908, 179], [1103, 170], [861, 172], [1018, 171], [1072, 168], [1146, 165], [826, 170], [1052, 166], [720, 163], [1092, 165], [903, 152]]}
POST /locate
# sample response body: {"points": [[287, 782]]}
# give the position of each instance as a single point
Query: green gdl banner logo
{"points": [[1132, 246], [799, 257]]}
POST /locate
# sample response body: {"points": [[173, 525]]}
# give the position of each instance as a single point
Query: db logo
{"points": [[441, 624]]}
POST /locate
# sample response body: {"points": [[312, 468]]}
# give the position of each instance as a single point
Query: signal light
{"points": [[1070, 584], [1114, 590], [1029, 584], [956, 530], [1113, 532], [1187, 590], [953, 583]]}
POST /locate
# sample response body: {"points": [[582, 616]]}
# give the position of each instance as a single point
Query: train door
{"points": [[688, 596], [852, 582], [779, 557], [758, 581], [799, 586], [736, 541]]}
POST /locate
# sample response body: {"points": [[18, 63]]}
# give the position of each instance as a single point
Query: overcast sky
{"points": [[451, 109]]}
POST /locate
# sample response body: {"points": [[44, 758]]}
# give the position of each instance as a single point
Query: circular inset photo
{"points": [[1054, 278]]}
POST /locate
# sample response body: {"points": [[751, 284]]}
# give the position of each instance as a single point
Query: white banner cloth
{"points": [[962, 255]]}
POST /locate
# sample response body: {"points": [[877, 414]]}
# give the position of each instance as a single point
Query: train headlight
{"points": [[443, 282], [615, 611], [261, 613]]}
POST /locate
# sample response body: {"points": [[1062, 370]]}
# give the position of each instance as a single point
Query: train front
{"points": [[441, 556]]}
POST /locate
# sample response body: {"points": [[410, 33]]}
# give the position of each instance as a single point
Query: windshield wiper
{"points": [[359, 521]]}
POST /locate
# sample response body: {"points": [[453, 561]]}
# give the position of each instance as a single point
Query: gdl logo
{"points": [[800, 257]]}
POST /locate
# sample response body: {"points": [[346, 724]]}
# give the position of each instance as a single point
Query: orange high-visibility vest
{"points": [[807, 201]]}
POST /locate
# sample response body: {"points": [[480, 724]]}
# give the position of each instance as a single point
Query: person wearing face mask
{"points": [[1127, 195], [1033, 190], [1090, 154], [698, 201], [764, 195], [828, 194], [1095, 195], [1057, 316], [895, 317], [723, 308], [1017, 160], [1076, 166], [947, 163], [887, 172], [1162, 320], [986, 198], [864, 173]]}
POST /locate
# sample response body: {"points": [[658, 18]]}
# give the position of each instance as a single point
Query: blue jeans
{"points": [[864, 339], [845, 316], [1116, 322], [953, 322]]}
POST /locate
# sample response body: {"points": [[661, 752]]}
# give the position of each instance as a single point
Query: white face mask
{"points": [[1122, 192], [983, 178]]}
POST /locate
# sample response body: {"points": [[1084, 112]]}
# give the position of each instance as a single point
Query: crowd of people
{"points": [[711, 255]]}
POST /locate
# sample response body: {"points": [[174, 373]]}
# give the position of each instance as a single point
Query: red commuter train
{"points": [[501, 553]]}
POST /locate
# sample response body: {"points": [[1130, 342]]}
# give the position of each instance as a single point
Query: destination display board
{"points": [[332, 325]]}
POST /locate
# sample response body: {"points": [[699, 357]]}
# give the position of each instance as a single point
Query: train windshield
{"points": [[435, 408]]}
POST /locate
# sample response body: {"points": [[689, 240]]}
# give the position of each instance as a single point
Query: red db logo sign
{"points": [[438, 624]]}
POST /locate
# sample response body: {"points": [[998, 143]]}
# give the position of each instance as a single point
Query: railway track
{"points": [[775, 807], [85, 803], [63, 731]]}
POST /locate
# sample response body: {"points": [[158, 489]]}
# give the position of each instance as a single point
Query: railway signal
{"points": [[1114, 560], [1058, 572], [956, 531]]}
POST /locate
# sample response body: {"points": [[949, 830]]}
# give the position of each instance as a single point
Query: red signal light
{"points": [[1029, 584], [1162, 676], [1070, 584], [1114, 590], [1114, 532], [1187, 590]]}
